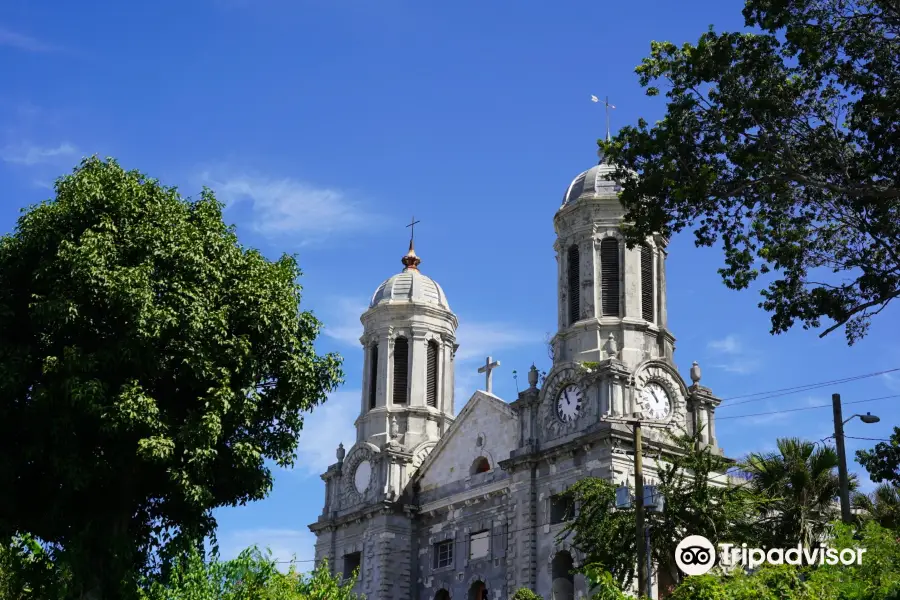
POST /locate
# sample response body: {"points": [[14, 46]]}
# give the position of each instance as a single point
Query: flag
{"points": [[594, 98]]}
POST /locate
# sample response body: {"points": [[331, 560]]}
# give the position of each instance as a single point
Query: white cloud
{"points": [[285, 544], [344, 314], [732, 356], [478, 340], [892, 381], [20, 41], [28, 155], [327, 425], [282, 207]]}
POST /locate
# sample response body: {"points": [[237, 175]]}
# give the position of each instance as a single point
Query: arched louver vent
{"points": [[647, 308], [373, 375], [401, 370], [574, 285], [432, 375], [609, 276]]}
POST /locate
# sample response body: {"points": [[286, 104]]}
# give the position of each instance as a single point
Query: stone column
{"points": [[661, 287], [587, 268], [418, 349]]}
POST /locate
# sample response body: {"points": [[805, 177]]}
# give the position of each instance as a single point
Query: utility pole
{"points": [[842, 457], [639, 529]]}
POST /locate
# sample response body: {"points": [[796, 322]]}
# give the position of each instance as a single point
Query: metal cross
{"points": [[486, 369], [412, 226]]}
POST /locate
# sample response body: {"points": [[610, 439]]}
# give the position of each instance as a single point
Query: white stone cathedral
{"points": [[429, 506]]}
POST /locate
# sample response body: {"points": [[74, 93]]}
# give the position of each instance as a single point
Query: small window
{"points": [[574, 285], [401, 369], [443, 554], [352, 562], [479, 545], [373, 376], [481, 465], [562, 508], [431, 375]]}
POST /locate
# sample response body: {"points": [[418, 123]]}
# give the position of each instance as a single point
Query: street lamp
{"points": [[839, 423]]}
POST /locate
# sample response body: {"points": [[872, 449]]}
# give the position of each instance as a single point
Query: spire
{"points": [[410, 260]]}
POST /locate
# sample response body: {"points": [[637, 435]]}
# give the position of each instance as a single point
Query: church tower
{"points": [[611, 300], [406, 405], [409, 337]]}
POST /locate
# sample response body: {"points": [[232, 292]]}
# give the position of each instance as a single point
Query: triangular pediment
{"points": [[486, 427]]}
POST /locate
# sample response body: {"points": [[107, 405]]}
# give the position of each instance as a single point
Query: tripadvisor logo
{"points": [[696, 555]]}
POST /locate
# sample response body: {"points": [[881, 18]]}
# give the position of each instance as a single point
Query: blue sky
{"points": [[325, 125]]}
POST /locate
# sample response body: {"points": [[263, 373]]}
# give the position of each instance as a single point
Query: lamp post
{"points": [[839, 423]]}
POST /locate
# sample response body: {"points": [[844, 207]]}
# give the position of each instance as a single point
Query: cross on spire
{"points": [[486, 369], [412, 229]]}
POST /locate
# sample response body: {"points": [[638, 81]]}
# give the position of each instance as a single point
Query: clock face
{"points": [[363, 476], [655, 401], [568, 406]]}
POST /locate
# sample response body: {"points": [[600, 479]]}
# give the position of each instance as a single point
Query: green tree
{"points": [[253, 575], [150, 366], [782, 143], [882, 506], [883, 461], [525, 594], [802, 485], [695, 504], [28, 572]]}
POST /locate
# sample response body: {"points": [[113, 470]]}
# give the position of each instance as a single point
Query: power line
{"points": [[760, 396], [787, 410], [868, 439]]}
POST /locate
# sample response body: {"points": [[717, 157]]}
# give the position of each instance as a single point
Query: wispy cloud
{"points": [[479, 339], [327, 425], [892, 381], [29, 155], [21, 41], [285, 545], [282, 207], [732, 356], [344, 314]]}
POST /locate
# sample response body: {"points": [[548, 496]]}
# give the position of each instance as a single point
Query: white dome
{"points": [[592, 184], [410, 286]]}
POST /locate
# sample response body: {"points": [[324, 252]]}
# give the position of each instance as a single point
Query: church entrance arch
{"points": [[442, 595], [478, 591], [563, 578]]}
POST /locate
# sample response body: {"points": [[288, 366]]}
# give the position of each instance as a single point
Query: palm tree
{"points": [[801, 485], [882, 506]]}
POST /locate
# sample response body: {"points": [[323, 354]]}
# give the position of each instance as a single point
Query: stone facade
{"points": [[429, 506]]}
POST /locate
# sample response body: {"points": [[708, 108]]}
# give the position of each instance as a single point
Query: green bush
{"points": [[525, 594]]}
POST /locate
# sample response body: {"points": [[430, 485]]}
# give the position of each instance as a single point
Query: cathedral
{"points": [[429, 506]]}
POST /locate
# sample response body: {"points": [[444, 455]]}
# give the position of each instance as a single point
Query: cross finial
{"points": [[486, 369], [411, 261], [412, 229]]}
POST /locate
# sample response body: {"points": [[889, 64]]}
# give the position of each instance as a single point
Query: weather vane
{"points": [[608, 106]]}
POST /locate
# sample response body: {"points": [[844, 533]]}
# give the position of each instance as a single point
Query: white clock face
{"points": [[568, 406], [655, 401], [363, 476]]}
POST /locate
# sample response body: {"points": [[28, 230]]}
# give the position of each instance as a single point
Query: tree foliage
{"points": [[253, 575], [782, 143], [149, 367], [801, 483], [881, 506], [883, 461], [694, 505]]}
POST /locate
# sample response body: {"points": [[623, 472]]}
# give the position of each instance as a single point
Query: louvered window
{"points": [[432, 375], [647, 303], [574, 285], [401, 370], [609, 276], [373, 374]]}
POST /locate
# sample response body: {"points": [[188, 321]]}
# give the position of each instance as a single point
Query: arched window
{"points": [[373, 374], [574, 284], [431, 380], [609, 276], [401, 370], [563, 579], [478, 591], [480, 465], [647, 297]]}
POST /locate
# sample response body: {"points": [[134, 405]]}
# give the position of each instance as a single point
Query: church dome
{"points": [[592, 184], [410, 285]]}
